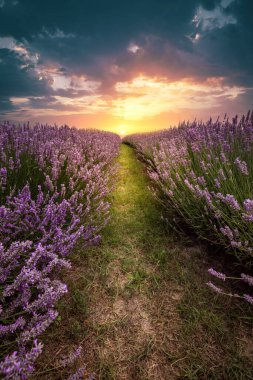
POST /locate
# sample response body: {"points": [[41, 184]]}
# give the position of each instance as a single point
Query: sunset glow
{"points": [[141, 100]]}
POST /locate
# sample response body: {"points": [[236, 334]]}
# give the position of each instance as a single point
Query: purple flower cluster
{"points": [[242, 166], [53, 183], [219, 275]]}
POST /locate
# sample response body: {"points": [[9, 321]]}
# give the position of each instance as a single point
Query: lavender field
{"points": [[129, 225]]}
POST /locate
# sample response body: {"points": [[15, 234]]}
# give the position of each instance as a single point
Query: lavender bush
{"points": [[53, 183]]}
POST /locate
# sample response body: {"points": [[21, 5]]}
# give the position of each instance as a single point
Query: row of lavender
{"points": [[53, 183], [204, 172]]}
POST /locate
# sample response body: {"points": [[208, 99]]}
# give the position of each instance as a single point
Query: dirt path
{"points": [[138, 303]]}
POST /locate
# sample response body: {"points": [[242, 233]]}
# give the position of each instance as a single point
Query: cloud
{"points": [[56, 33], [8, 2], [133, 48], [217, 18], [19, 77], [207, 20], [73, 83], [6, 104], [19, 48], [226, 3]]}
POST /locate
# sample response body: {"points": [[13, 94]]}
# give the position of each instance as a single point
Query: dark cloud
{"points": [[6, 104], [50, 103], [228, 49], [18, 79]]}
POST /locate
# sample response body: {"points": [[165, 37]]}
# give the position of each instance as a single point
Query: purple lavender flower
{"points": [[236, 244], [248, 298], [3, 178], [232, 202], [19, 367], [223, 157], [201, 180], [189, 185], [247, 278], [222, 176], [13, 327], [226, 231], [214, 287], [248, 205], [69, 359], [217, 183], [219, 275], [242, 166], [78, 375]]}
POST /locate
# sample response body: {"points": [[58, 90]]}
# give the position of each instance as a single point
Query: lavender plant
{"points": [[53, 184]]}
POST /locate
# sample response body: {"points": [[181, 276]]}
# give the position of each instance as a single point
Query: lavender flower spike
{"points": [[242, 166], [247, 278], [248, 298], [214, 287], [219, 275]]}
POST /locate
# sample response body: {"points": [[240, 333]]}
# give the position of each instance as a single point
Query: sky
{"points": [[125, 66]]}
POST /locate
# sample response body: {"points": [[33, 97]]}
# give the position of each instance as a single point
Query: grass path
{"points": [[138, 303]]}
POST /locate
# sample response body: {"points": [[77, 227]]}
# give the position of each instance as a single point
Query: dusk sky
{"points": [[124, 66]]}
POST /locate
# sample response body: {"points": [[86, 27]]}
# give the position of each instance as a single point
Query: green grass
{"points": [[135, 216]]}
